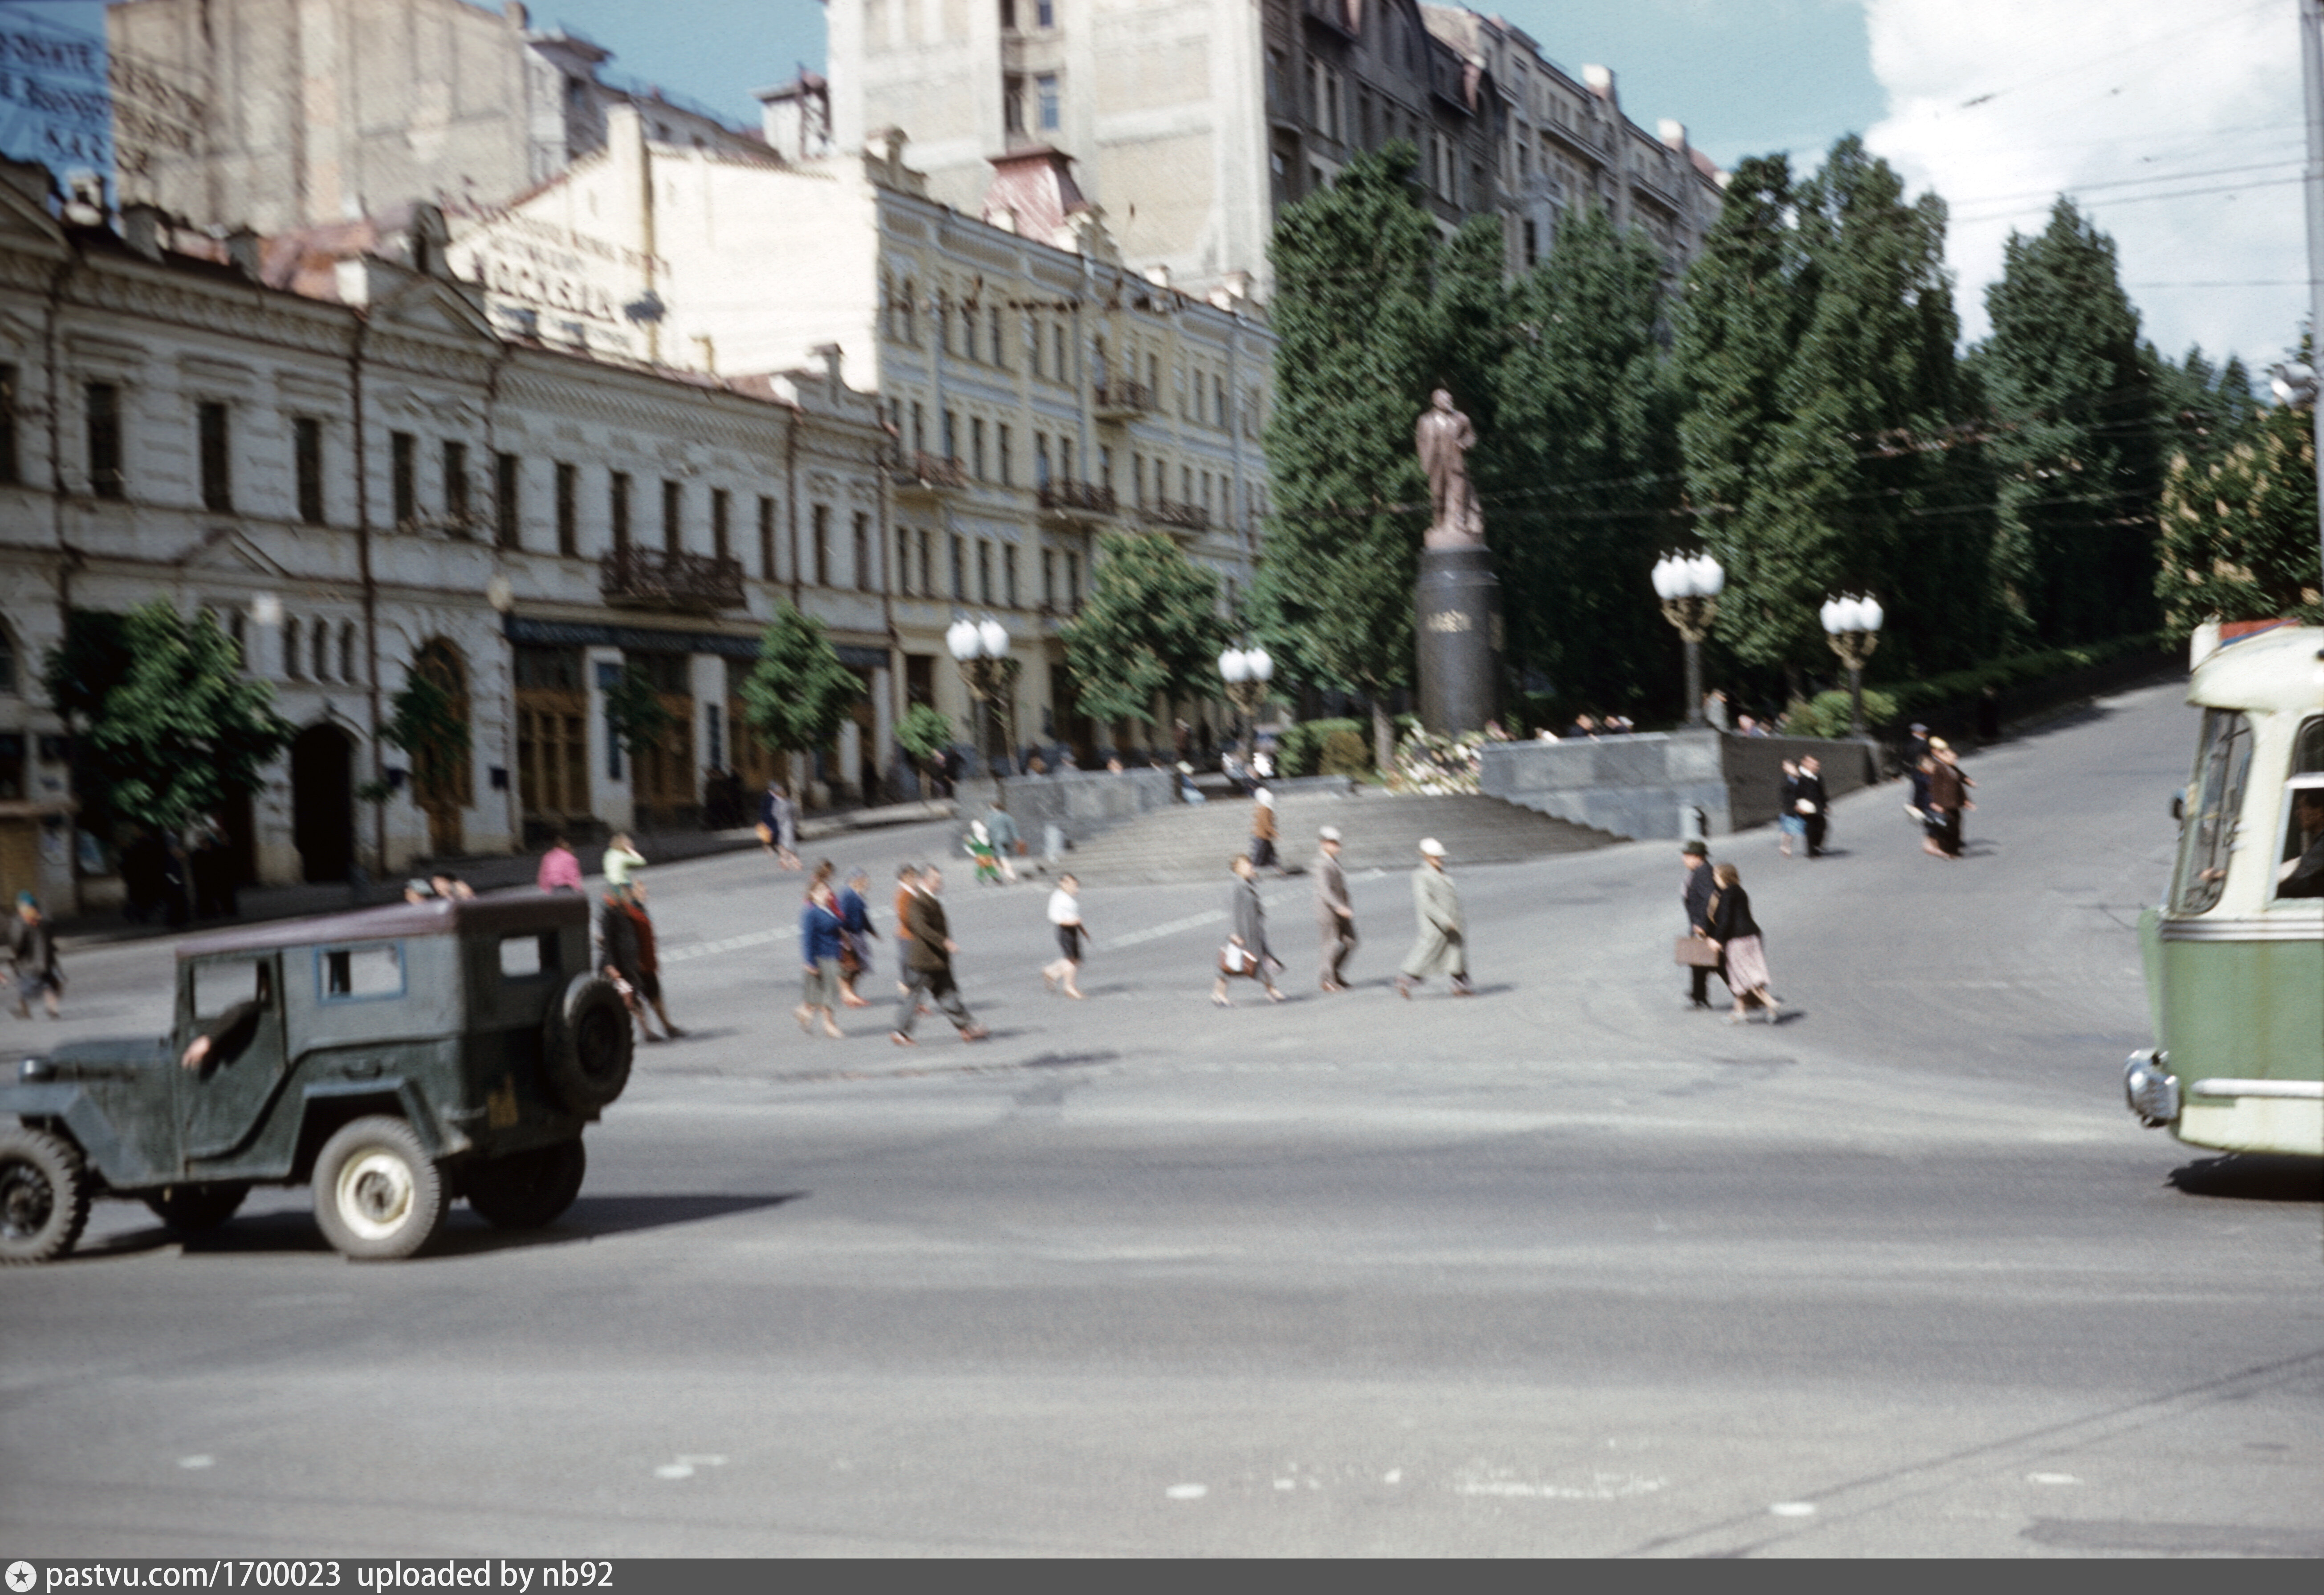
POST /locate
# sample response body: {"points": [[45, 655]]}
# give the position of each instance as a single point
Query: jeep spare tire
{"points": [[377, 1192], [586, 1044]]}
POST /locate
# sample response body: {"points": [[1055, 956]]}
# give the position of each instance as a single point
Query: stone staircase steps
{"points": [[1380, 831]]}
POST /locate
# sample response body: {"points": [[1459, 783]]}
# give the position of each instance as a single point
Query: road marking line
{"points": [[1187, 1492], [1794, 1508]]}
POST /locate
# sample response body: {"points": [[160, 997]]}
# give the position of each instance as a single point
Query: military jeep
{"points": [[397, 1059]]}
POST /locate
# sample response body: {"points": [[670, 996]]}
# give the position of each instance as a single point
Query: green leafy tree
{"points": [[923, 733], [799, 694], [170, 736], [2079, 424], [80, 673], [633, 709], [2206, 409], [422, 722], [1817, 343], [1360, 327], [2239, 540], [1582, 471], [1150, 629]]}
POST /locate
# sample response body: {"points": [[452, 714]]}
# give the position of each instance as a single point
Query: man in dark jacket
{"points": [[927, 963], [1694, 897], [622, 957], [1814, 803]]}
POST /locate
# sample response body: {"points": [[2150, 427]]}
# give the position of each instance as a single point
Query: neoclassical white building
{"points": [[379, 484]]}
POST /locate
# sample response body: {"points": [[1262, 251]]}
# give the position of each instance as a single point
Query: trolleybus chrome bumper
{"points": [[2150, 1089]]}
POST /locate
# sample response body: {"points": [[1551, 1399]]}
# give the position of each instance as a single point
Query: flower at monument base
{"points": [[1438, 766]]}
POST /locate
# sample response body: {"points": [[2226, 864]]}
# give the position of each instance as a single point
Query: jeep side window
{"points": [[218, 986], [350, 974], [525, 957]]}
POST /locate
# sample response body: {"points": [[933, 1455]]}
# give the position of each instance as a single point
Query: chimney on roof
{"points": [[832, 355], [241, 251], [1600, 81], [1034, 190], [142, 227], [1673, 132]]}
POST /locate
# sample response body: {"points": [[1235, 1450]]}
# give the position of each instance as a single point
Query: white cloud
{"points": [[2001, 104]]}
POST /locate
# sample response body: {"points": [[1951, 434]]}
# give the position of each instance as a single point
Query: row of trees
{"points": [[1797, 405], [167, 725]]}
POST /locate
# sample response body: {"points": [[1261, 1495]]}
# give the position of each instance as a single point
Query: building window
{"points": [[217, 485], [1009, 574], [1105, 468], [103, 402], [1049, 578], [976, 447], [1137, 479], [1065, 458], [1073, 583], [928, 567], [1065, 373], [822, 545], [456, 486], [306, 466], [951, 436], [766, 536], [293, 667], [984, 573], [919, 429], [1006, 446], [999, 346], [347, 652], [568, 493], [673, 503], [10, 467], [959, 571], [1219, 402], [403, 478], [720, 535], [864, 573], [1040, 459], [508, 508], [1008, 16], [322, 645], [1532, 245], [904, 561], [617, 507], [1045, 13]]}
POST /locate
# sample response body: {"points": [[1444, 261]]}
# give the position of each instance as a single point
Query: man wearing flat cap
{"points": [[1335, 916], [1695, 896], [1442, 946]]}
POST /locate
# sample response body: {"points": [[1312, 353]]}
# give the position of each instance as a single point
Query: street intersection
{"points": [[1565, 1268]]}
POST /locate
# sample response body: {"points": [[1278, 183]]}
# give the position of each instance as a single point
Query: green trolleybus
{"points": [[2234, 958]]}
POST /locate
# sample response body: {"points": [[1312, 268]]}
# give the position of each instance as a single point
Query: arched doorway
{"points": [[323, 802], [443, 779]]}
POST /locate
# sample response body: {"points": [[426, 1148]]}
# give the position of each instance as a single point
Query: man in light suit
{"points": [[1335, 916], [1441, 947]]}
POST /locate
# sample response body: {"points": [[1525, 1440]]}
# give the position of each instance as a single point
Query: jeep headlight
{"points": [[2150, 1089]]}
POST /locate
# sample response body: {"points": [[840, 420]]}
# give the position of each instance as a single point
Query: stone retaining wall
{"points": [[1642, 786]]}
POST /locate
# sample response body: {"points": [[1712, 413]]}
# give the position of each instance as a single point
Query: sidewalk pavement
{"points": [[486, 873]]}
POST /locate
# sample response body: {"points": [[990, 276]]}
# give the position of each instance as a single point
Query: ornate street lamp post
{"points": [[1852, 626], [1689, 589], [1245, 673], [981, 649]]}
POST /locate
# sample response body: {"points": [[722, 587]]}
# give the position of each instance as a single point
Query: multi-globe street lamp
{"points": [[981, 649], [1247, 672], [1852, 626], [1689, 589]]}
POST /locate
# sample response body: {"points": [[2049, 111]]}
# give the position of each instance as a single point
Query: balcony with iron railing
{"points": [[1333, 14], [1064, 496], [917, 467], [656, 579], [1177, 515], [1120, 400]]}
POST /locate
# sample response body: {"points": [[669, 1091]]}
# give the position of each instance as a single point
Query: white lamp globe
{"points": [[995, 637], [1666, 579], [1262, 667], [1708, 578], [1873, 614], [1834, 621], [1234, 665], [962, 638]]}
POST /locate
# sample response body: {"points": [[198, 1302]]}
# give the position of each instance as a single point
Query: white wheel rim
{"points": [[375, 1194]]}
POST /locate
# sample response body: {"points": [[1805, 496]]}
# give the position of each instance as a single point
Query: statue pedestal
{"points": [[1457, 635]]}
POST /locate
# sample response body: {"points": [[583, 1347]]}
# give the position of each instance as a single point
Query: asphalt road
{"points": [[1563, 1270]]}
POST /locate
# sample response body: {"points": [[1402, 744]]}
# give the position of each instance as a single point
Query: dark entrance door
{"points": [[323, 802]]}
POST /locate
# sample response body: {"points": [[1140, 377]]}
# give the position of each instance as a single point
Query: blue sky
{"points": [[2136, 107]]}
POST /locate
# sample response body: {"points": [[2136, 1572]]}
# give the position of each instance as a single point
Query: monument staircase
{"points": [[1379, 832]]}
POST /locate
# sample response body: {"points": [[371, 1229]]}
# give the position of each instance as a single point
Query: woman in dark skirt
{"points": [[1742, 955]]}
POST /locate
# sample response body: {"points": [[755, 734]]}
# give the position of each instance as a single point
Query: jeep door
{"points": [[236, 1000]]}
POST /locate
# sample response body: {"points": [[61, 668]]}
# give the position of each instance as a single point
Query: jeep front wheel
{"points": [[377, 1193], [526, 1190], [196, 1209], [44, 1196]]}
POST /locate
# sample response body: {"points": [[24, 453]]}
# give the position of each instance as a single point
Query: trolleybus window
{"points": [[2222, 763], [2300, 863]]}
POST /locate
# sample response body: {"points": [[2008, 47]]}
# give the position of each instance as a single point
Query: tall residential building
{"points": [[299, 113], [1192, 123]]}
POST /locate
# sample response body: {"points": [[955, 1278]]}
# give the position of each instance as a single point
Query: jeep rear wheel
{"points": [[44, 1196], [196, 1209], [526, 1190], [377, 1193], [587, 1045]]}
